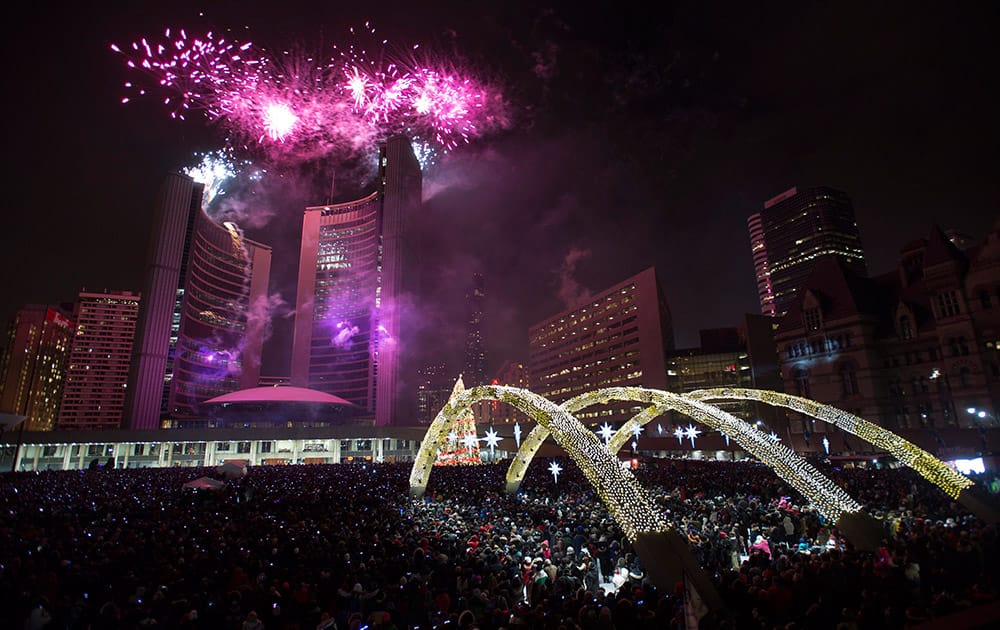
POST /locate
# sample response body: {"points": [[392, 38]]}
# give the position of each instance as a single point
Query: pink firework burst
{"points": [[192, 71], [279, 120], [294, 103]]}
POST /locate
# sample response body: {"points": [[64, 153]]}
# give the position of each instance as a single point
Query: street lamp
{"points": [[982, 414]]}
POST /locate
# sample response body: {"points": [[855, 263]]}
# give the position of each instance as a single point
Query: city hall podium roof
{"points": [[280, 394]]}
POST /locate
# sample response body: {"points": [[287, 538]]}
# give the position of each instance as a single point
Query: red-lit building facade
{"points": [[93, 395]]}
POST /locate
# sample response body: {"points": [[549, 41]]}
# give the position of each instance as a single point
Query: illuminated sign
{"points": [[60, 320]]}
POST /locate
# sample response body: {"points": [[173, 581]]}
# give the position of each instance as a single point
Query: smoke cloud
{"points": [[261, 316], [570, 291]]}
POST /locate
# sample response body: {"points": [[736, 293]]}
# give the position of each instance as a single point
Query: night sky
{"points": [[639, 138]]}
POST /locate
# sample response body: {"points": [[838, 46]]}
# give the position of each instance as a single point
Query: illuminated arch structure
{"points": [[822, 493], [616, 486], [831, 500], [955, 484], [666, 555]]}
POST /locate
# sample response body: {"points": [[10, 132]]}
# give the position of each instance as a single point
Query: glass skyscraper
{"points": [[358, 267], [793, 230]]}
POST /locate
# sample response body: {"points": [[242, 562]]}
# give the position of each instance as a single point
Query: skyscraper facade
{"points": [[795, 229], [358, 270], [221, 330], [196, 336], [93, 394], [34, 365], [475, 347], [721, 360], [434, 386], [619, 337]]}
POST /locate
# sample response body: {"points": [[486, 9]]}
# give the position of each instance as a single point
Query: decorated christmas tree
{"points": [[461, 447]]}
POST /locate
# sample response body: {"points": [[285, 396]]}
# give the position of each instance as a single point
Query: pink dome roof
{"points": [[279, 394]]}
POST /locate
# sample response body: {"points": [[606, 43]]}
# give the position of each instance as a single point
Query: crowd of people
{"points": [[344, 546]]}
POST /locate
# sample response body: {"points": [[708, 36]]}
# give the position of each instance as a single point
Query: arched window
{"points": [[801, 378], [848, 379], [965, 377]]}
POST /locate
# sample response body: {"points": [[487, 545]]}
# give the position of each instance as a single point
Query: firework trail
{"points": [[214, 169], [192, 71], [294, 104]]}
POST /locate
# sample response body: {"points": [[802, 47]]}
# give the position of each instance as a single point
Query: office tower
{"points": [[617, 338], [197, 335], [721, 360], [794, 230], [434, 386], [100, 352], [358, 271], [475, 350], [34, 365]]}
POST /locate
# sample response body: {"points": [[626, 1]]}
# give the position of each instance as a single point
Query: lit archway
{"points": [[909, 454], [820, 491], [665, 553], [627, 502]]}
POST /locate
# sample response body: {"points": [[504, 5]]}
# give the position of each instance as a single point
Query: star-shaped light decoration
{"points": [[452, 437], [826, 445], [470, 441], [492, 438], [679, 434], [774, 436], [691, 432], [555, 469], [637, 430], [517, 434], [606, 433]]}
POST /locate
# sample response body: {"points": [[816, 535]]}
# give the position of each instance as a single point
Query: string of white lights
{"points": [[820, 491], [909, 454], [618, 489]]}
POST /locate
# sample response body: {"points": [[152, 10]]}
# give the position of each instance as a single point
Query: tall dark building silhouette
{"points": [[197, 336], [475, 348], [795, 229], [358, 271], [34, 365], [434, 386]]}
